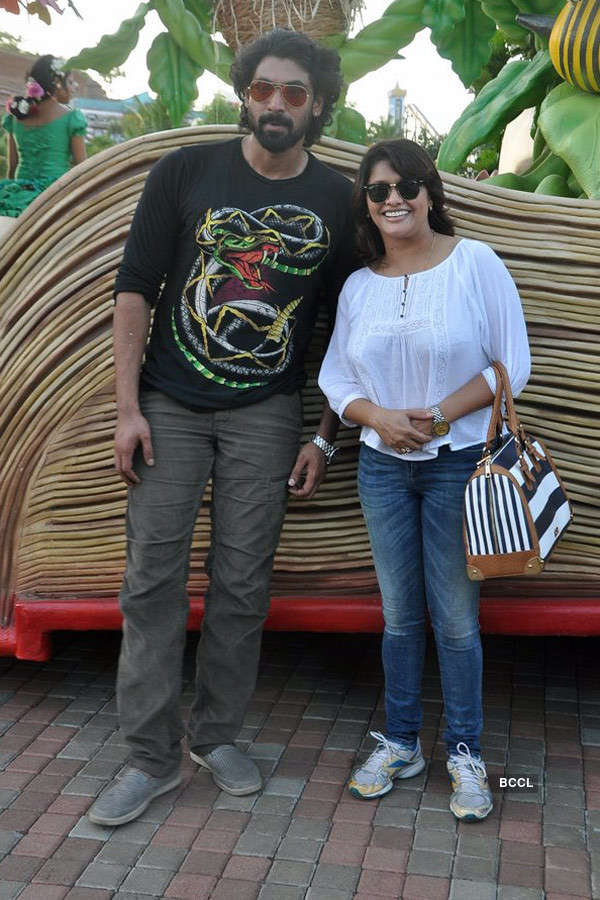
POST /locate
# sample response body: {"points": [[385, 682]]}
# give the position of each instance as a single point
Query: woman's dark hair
{"points": [[48, 76], [321, 64], [409, 160]]}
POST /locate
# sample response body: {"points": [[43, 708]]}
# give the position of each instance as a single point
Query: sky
{"points": [[421, 72]]}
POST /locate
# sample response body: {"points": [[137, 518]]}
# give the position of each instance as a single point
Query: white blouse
{"points": [[458, 317]]}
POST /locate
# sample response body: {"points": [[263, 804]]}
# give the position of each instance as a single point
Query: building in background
{"points": [[103, 115], [407, 118]]}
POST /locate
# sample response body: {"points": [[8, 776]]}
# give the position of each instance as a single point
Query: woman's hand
{"points": [[422, 420], [403, 429]]}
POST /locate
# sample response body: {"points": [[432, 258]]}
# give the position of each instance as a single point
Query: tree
{"points": [[141, 118], [220, 111], [100, 142], [382, 130], [430, 143], [10, 42], [144, 118]]}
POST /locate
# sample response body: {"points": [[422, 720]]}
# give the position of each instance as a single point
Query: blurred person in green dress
{"points": [[44, 138]]}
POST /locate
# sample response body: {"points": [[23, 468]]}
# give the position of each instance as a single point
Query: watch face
{"points": [[440, 428]]}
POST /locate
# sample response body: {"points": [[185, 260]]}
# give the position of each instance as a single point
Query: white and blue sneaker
{"points": [[389, 760], [471, 800]]}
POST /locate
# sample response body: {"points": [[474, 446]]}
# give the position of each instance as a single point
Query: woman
{"points": [[45, 137], [410, 361]]}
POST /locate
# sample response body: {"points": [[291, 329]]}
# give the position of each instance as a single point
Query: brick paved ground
{"points": [[303, 836]]}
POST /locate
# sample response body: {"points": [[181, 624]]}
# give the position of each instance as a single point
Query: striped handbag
{"points": [[516, 508]]}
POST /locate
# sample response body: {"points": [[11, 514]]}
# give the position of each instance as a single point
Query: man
{"points": [[247, 235]]}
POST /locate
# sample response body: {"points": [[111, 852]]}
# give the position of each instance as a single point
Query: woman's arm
{"points": [[504, 336], [505, 339], [78, 151], [12, 156], [473, 395], [398, 428]]}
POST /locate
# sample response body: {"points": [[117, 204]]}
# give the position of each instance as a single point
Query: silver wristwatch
{"points": [[328, 449]]}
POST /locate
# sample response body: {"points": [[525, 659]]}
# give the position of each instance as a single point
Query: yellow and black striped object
{"points": [[575, 44]]}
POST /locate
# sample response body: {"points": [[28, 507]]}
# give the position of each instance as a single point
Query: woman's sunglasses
{"points": [[294, 94], [379, 191]]}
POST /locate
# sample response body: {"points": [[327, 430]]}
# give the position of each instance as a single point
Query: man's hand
{"points": [[308, 472], [132, 429], [403, 429]]}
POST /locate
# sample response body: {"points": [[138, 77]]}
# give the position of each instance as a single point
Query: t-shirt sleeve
{"points": [[152, 238], [7, 123], [505, 338], [77, 123]]}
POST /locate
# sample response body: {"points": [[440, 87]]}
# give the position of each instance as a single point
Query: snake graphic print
{"points": [[231, 323]]}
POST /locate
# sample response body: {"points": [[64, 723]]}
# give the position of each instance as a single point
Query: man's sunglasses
{"points": [[379, 191], [294, 94]]}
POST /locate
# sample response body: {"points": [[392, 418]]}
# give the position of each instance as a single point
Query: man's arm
{"points": [[309, 470], [131, 322]]}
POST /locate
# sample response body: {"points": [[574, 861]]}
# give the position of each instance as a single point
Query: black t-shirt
{"points": [[245, 261]]}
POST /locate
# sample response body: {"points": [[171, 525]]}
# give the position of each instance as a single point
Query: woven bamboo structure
{"points": [[61, 504], [241, 21]]}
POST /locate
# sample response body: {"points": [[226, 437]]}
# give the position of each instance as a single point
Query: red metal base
{"points": [[29, 637]]}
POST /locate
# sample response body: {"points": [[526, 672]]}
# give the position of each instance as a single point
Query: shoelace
{"points": [[383, 752], [469, 768]]}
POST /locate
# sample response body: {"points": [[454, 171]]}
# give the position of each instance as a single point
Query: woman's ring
{"points": [[403, 449]]}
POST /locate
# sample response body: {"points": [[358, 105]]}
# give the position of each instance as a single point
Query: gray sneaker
{"points": [[231, 769], [471, 800], [129, 795]]}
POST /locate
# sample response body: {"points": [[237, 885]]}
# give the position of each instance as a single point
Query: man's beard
{"points": [[277, 141]]}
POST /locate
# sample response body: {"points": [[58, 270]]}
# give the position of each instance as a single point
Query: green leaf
{"points": [[467, 44], [441, 16], [203, 10], [173, 76], [350, 125], [113, 49], [380, 41], [570, 121], [503, 13], [520, 84], [186, 30], [543, 7], [334, 41], [553, 185]]}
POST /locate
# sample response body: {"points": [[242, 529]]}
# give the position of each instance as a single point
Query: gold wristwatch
{"points": [[440, 425]]}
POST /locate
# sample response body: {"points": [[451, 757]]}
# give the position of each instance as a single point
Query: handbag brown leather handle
{"points": [[503, 390]]}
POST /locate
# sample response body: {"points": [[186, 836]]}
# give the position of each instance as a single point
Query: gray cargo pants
{"points": [[249, 453]]}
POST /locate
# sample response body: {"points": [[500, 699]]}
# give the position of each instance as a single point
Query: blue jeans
{"points": [[413, 512]]}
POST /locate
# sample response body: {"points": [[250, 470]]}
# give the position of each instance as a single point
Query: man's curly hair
{"points": [[321, 64]]}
